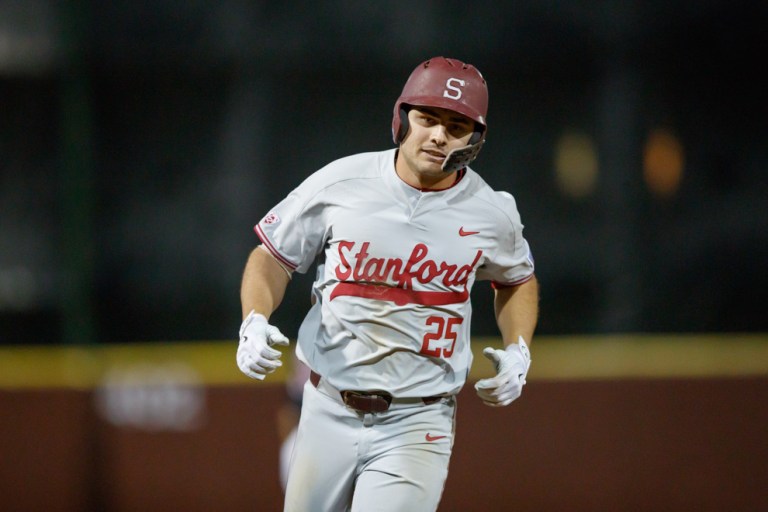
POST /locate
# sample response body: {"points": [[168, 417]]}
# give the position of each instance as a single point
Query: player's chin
{"points": [[432, 169]]}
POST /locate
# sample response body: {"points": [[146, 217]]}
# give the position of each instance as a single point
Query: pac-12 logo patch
{"points": [[271, 218]]}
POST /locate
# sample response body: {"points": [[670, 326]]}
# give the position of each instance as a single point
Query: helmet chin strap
{"points": [[461, 157]]}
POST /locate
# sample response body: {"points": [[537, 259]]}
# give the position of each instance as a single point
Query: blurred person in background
{"points": [[288, 415]]}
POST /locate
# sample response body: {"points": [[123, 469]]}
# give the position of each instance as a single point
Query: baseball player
{"points": [[398, 238]]}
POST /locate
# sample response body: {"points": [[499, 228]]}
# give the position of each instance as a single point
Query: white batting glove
{"points": [[255, 356], [512, 366]]}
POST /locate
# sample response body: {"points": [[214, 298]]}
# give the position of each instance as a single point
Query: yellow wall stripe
{"points": [[554, 358]]}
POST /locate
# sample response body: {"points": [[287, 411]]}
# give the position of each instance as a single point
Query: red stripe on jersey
{"points": [[263, 237], [399, 296]]}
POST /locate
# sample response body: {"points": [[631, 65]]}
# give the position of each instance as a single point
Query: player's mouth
{"points": [[434, 155]]}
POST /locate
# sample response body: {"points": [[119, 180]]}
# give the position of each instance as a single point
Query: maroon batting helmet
{"points": [[445, 83]]}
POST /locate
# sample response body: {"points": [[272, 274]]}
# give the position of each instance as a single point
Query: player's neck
{"points": [[424, 182]]}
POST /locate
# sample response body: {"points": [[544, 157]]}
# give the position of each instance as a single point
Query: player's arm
{"points": [[261, 292], [517, 311], [264, 283]]}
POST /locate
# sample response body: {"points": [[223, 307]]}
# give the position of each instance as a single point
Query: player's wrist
{"points": [[253, 321], [520, 352]]}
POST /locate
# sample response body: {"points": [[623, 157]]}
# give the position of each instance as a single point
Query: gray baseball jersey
{"points": [[395, 269]]}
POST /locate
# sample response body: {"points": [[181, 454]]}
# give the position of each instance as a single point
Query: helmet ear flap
{"points": [[477, 135], [403, 129]]}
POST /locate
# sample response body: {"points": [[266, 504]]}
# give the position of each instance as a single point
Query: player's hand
{"points": [[512, 366], [255, 356]]}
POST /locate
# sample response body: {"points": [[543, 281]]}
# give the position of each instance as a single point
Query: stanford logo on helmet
{"points": [[456, 92]]}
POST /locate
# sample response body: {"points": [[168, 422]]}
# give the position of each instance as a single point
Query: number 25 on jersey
{"points": [[444, 329]]}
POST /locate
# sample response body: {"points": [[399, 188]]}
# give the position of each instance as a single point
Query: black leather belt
{"points": [[370, 401]]}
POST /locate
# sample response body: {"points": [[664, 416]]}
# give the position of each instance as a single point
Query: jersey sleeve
{"points": [[512, 263], [294, 230]]}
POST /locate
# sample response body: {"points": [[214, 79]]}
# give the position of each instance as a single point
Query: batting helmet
{"points": [[444, 83]]}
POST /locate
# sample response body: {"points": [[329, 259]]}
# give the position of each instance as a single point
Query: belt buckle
{"points": [[367, 402]]}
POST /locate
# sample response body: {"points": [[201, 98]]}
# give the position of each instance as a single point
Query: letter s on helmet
{"points": [[450, 84]]}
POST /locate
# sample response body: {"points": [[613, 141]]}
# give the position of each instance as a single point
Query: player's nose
{"points": [[439, 134]]}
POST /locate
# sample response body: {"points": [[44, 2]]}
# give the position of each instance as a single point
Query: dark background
{"points": [[141, 141]]}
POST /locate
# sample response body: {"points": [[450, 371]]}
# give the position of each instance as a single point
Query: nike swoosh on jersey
{"points": [[430, 438], [466, 233]]}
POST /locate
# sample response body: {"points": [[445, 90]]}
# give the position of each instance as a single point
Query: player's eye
{"points": [[459, 129]]}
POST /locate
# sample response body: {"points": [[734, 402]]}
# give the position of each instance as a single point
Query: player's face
{"points": [[432, 134]]}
